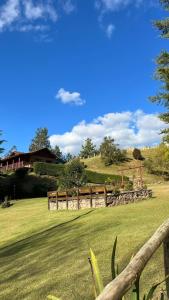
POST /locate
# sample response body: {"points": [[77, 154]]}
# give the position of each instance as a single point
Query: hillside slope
{"points": [[44, 252], [97, 165]]}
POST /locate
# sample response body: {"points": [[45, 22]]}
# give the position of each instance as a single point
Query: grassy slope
{"points": [[96, 164], [45, 252]]}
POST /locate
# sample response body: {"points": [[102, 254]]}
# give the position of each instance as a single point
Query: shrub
{"points": [[99, 178], [74, 175], [137, 154], [4, 187], [6, 203], [41, 168]]}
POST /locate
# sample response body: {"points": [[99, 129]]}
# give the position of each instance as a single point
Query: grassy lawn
{"points": [[45, 252]]}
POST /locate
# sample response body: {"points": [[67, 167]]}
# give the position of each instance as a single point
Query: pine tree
{"points": [[110, 153], [88, 149], [13, 149], [41, 140], [1, 142], [162, 72], [58, 153]]}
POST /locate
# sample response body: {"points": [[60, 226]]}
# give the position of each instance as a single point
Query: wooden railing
{"points": [[117, 288], [77, 194], [15, 166]]}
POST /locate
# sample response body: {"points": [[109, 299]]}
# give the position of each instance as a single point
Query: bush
{"points": [[4, 187], [74, 175], [6, 203], [99, 178], [137, 154], [31, 186], [41, 168]]}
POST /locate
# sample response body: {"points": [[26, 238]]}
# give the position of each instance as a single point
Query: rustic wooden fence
{"points": [[117, 288], [89, 193]]}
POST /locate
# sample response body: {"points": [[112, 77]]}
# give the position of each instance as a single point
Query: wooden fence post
{"points": [[105, 195], [57, 200], [91, 202], [166, 262], [66, 200], [78, 199]]}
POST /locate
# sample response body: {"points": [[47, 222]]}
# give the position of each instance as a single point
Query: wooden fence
{"points": [[89, 193], [117, 288]]}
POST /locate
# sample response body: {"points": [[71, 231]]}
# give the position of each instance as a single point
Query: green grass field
{"points": [[44, 252]]}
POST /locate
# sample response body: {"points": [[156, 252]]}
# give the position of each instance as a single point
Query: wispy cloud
{"points": [[68, 6], [129, 129], [113, 5], [67, 97], [109, 30], [32, 15]]}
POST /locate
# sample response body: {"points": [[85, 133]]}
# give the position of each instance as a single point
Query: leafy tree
{"points": [[110, 153], [162, 72], [74, 175], [41, 140], [58, 153], [88, 149], [137, 154], [1, 142], [159, 162]]}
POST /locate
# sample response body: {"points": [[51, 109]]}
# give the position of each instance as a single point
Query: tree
{"points": [[58, 153], [137, 154], [74, 175], [1, 142], [13, 149], [162, 72], [41, 140], [159, 162], [68, 157], [88, 149], [110, 153]]}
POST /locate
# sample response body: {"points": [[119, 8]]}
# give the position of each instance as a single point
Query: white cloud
{"points": [[67, 97], [113, 5], [9, 12], [109, 30], [29, 15], [129, 129]]}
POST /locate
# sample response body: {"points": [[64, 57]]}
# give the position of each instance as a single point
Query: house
{"points": [[18, 160]]}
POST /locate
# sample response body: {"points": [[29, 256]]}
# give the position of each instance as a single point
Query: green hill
{"points": [[96, 164], [44, 252]]}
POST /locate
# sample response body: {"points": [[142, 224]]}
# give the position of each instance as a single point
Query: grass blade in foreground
{"points": [[113, 258], [96, 272]]}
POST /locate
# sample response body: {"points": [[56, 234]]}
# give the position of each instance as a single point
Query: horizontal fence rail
{"points": [[117, 288]]}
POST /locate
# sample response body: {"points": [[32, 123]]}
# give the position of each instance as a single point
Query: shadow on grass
{"points": [[35, 266]]}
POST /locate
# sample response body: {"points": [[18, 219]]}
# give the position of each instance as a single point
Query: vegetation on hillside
{"points": [[110, 153], [88, 149]]}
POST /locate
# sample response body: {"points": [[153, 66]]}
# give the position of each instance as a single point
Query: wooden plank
{"points": [[67, 200], [105, 195], [91, 202], [57, 200], [117, 288], [166, 263]]}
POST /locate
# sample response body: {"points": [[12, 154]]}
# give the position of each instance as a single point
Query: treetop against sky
{"points": [[81, 69]]}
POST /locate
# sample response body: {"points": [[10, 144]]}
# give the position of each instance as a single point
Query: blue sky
{"points": [[80, 68]]}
